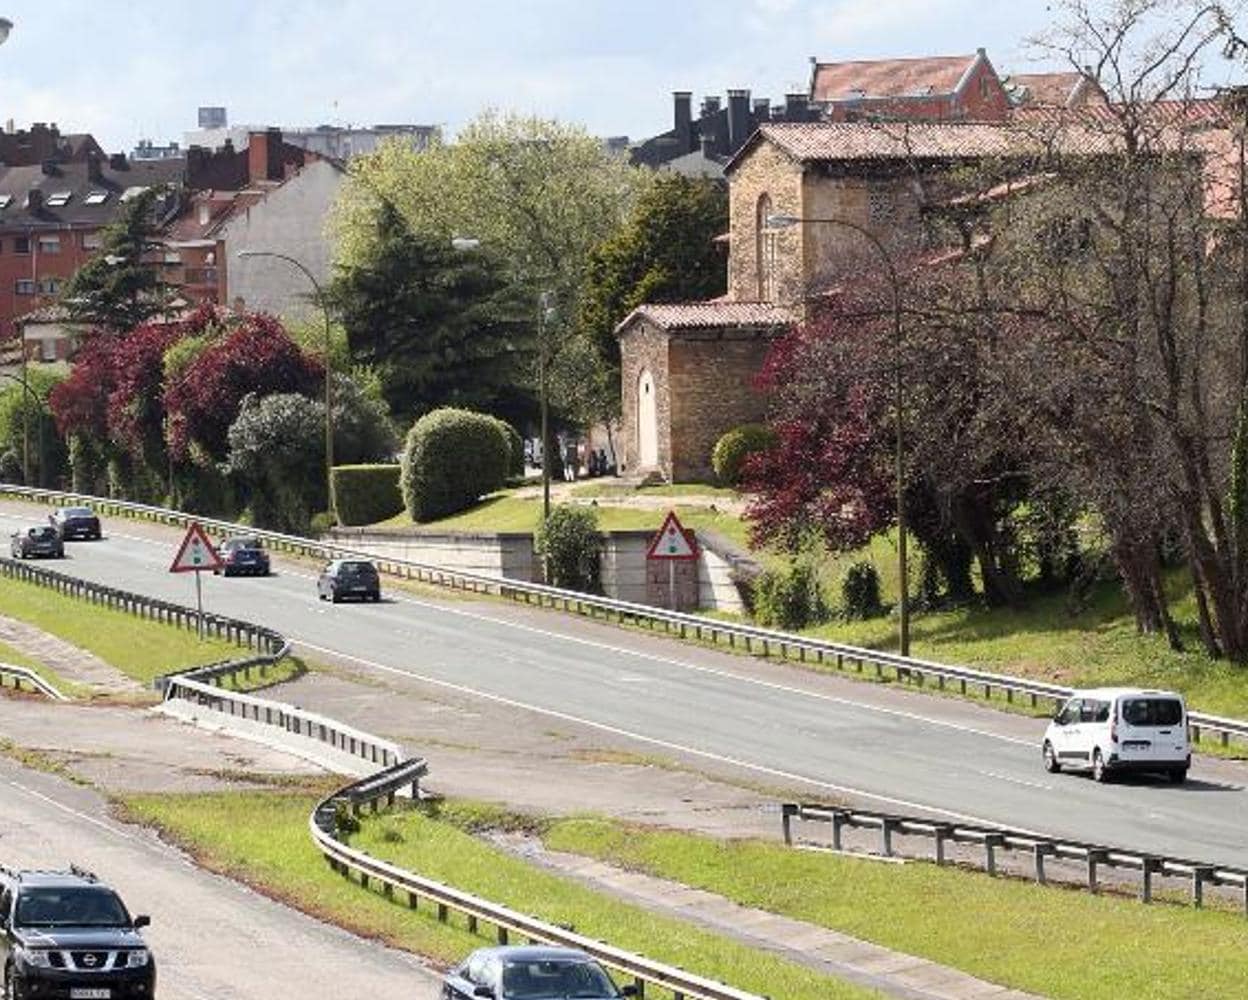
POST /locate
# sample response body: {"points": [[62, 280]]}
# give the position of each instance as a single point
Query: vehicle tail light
{"points": [[1113, 727]]}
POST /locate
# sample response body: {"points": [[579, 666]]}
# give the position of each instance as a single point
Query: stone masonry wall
{"points": [[643, 346], [765, 170], [711, 392]]}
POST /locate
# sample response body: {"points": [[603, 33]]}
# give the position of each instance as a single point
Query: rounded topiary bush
{"points": [[365, 494], [451, 459], [732, 449], [569, 544], [789, 598], [515, 448]]}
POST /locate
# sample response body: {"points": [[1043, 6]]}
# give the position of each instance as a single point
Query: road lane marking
{"points": [[70, 810], [1017, 781], [667, 744]]}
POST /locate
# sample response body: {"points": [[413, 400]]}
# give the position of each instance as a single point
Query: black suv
{"points": [[65, 936]]}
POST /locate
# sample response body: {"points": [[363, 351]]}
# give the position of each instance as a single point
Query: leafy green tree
{"points": [[28, 430], [538, 194], [665, 251], [275, 455], [116, 289], [438, 326]]}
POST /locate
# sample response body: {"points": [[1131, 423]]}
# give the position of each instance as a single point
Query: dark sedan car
{"points": [[531, 973], [349, 578], [243, 556], [41, 540], [75, 522]]}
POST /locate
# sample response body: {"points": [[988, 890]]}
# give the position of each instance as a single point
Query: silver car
{"points": [[40, 540]]}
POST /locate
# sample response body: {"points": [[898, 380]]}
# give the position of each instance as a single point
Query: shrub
{"points": [[733, 447], [789, 598], [364, 494], [860, 592], [569, 545], [451, 459], [515, 448]]}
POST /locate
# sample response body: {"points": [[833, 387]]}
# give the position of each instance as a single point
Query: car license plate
{"points": [[1136, 745], [93, 993]]}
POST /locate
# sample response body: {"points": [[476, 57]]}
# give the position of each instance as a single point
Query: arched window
{"points": [[647, 422], [764, 249]]}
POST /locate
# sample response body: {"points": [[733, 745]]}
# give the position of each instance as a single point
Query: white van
{"points": [[1109, 730]]}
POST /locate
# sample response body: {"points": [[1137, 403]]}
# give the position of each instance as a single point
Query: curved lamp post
{"points": [[775, 222], [329, 384]]}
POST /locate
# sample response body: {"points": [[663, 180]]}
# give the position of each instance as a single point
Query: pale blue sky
{"points": [[126, 70]]}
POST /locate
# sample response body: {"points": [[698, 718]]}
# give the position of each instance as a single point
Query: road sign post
{"points": [[672, 544], [196, 555]]}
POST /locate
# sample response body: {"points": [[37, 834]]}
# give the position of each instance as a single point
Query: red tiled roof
{"points": [[712, 314], [1053, 89], [816, 142], [887, 78]]}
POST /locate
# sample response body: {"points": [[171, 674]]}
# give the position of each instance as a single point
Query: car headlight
{"points": [[35, 958], [139, 957]]}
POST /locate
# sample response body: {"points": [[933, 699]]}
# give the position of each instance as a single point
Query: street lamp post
{"points": [[329, 384], [546, 312], [789, 221]]}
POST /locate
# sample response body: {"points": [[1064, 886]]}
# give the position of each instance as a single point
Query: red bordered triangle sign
{"points": [[673, 541], [196, 553]]}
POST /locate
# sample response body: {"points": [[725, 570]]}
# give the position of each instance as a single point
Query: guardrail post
{"points": [[838, 822], [1039, 852], [1200, 874], [641, 988], [887, 825], [1148, 865], [786, 821], [991, 842], [941, 831], [502, 936], [1095, 857]]}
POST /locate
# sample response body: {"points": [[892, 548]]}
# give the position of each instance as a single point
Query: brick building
{"points": [[935, 88]]}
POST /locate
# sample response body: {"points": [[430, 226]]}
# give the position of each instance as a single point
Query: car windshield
{"points": [[1152, 712], [70, 907], [555, 980]]}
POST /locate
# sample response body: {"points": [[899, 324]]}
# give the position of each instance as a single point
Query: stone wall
{"points": [[712, 392], [504, 555], [643, 346], [764, 171]]}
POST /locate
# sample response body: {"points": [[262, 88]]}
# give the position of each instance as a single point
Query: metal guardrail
{"points": [[200, 686], [747, 638], [24, 675], [1093, 857], [346, 860]]}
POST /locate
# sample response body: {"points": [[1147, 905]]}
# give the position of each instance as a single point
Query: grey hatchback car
{"points": [[40, 540], [531, 973], [349, 578]]}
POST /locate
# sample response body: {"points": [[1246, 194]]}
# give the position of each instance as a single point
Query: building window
{"points": [[24, 286], [764, 250], [21, 244], [48, 286], [49, 244], [47, 349], [92, 240]]}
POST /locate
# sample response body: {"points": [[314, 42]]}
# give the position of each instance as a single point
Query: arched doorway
{"points": [[647, 422]]}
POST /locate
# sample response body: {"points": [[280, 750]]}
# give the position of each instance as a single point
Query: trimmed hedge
{"points": [[452, 458], [732, 449], [365, 494], [515, 448], [569, 544]]}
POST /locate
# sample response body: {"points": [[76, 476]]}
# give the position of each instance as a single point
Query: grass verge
{"points": [[262, 839], [1047, 940], [140, 649]]}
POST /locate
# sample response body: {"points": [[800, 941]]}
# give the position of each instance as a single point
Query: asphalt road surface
{"points": [[213, 939], [883, 748]]}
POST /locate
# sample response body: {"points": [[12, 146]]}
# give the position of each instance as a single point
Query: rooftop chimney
{"points": [[796, 108], [682, 101], [738, 119], [264, 155], [710, 106], [762, 110], [95, 172], [118, 161], [708, 145], [34, 201]]}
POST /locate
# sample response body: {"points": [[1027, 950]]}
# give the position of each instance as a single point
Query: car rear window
{"points": [[358, 568], [43, 532], [77, 512], [1152, 712]]}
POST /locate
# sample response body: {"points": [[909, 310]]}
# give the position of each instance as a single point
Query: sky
{"points": [[130, 70]]}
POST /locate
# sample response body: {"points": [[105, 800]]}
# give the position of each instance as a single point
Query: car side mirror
{"points": [[483, 991], [142, 920]]}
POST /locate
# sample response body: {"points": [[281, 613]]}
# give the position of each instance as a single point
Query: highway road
{"points": [[213, 939], [884, 748]]}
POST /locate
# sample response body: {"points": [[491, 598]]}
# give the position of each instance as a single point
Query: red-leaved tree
{"points": [[254, 355]]}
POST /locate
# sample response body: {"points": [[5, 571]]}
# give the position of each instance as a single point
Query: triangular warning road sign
{"points": [[673, 541], [196, 553]]}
